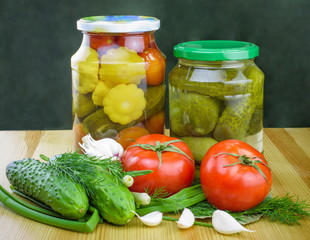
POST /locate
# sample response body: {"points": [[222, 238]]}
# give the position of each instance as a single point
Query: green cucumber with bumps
{"points": [[102, 180], [44, 183], [110, 197]]}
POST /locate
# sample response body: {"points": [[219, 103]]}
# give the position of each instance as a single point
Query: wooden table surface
{"points": [[286, 149]]}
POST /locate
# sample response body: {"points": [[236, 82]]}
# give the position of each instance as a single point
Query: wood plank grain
{"points": [[295, 152], [54, 142], [287, 151]]}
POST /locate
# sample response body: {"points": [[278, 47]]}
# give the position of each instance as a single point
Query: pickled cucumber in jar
{"points": [[216, 91], [194, 114], [235, 120]]}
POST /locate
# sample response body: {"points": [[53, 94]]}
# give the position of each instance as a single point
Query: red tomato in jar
{"points": [[235, 176], [155, 66], [136, 42], [78, 134], [172, 173], [101, 41], [156, 123], [125, 136]]}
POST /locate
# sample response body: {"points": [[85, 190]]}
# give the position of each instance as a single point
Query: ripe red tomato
{"points": [[174, 172], [231, 182], [155, 66]]}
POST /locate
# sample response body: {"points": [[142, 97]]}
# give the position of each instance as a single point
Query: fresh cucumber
{"points": [[110, 197], [46, 184], [102, 180]]}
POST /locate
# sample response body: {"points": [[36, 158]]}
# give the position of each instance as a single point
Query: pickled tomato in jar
{"points": [[118, 79]]}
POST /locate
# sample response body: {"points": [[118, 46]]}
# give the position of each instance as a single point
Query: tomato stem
{"points": [[161, 147], [248, 161]]}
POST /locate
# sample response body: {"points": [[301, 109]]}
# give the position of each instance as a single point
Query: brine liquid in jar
{"points": [[118, 73]]}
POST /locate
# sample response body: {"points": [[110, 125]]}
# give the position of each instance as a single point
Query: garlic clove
{"points": [[151, 219], [186, 219], [224, 223]]}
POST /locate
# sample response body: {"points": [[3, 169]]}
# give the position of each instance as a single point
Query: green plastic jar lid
{"points": [[118, 24], [216, 50]]}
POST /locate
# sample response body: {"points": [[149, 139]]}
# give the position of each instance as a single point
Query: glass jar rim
{"points": [[216, 50], [118, 24]]}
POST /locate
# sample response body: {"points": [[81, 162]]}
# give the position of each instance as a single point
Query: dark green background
{"points": [[37, 39]]}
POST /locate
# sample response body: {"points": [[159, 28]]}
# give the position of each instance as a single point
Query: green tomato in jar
{"points": [[199, 145]]}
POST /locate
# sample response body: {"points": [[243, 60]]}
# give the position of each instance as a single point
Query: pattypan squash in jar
{"points": [[85, 66], [124, 103], [122, 65], [99, 93]]}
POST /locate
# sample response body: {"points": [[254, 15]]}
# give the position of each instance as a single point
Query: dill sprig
{"points": [[286, 209], [80, 167], [202, 209], [159, 192], [88, 170]]}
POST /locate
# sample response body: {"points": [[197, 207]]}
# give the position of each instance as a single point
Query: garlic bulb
{"points": [[152, 219], [103, 148], [186, 219], [224, 223]]}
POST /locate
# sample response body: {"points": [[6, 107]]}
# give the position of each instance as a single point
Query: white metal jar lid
{"points": [[118, 24]]}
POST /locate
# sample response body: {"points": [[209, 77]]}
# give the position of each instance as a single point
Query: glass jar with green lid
{"points": [[216, 93]]}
